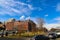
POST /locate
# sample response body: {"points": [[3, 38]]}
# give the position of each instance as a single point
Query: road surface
{"points": [[19, 38]]}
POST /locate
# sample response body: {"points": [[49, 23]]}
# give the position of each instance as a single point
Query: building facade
{"points": [[20, 26]]}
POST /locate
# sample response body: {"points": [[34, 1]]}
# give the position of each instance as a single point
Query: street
{"points": [[2, 38], [19, 38], [55, 39]]}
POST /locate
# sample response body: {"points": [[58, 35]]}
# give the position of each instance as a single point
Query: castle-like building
{"points": [[27, 25]]}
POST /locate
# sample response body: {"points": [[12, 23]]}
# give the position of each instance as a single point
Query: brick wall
{"points": [[21, 25], [9, 25]]}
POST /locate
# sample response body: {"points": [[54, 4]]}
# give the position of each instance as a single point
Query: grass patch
{"points": [[26, 34], [13, 36]]}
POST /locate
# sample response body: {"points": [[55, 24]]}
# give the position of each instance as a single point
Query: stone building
{"points": [[20, 26]]}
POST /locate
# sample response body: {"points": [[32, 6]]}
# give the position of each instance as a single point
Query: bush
{"points": [[27, 34]]}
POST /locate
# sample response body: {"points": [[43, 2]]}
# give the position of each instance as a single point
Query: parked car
{"points": [[6, 33], [58, 33], [40, 37], [2, 33], [52, 35]]}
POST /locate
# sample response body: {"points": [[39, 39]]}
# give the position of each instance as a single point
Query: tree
{"points": [[40, 22], [45, 29], [2, 28], [52, 29]]}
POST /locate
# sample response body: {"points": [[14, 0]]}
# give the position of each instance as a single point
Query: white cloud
{"points": [[30, 7], [52, 25], [46, 15], [22, 17], [54, 20], [20, 7], [58, 7], [28, 18], [55, 23], [58, 18]]}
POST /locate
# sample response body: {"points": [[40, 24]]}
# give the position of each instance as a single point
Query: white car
{"points": [[52, 35], [58, 34]]}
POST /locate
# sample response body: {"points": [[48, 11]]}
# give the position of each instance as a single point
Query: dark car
{"points": [[52, 35], [40, 37]]}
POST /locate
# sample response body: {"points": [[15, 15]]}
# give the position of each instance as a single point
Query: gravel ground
{"points": [[20, 39], [58, 39], [14, 38], [55, 39]]}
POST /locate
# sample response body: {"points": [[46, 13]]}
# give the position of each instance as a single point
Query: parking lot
{"points": [[58, 39], [55, 39], [20, 39]]}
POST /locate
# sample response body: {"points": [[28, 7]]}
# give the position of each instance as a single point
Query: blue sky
{"points": [[49, 10]]}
